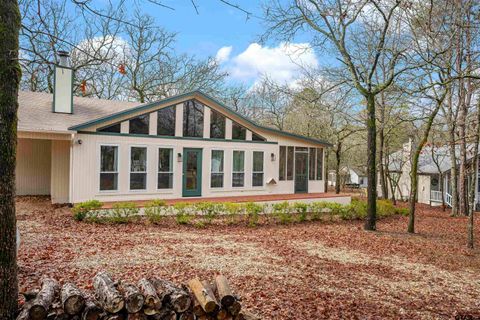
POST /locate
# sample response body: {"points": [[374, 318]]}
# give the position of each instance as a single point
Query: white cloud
{"points": [[282, 63], [223, 54]]}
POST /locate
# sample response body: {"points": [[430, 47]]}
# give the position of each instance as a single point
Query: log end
{"points": [[74, 304], [37, 312]]}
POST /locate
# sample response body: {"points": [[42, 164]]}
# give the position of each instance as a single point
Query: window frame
{"points": [[184, 119], [319, 160], [219, 172], [174, 107], [312, 174], [102, 129], [172, 172], [238, 172], [258, 172], [234, 123], [130, 168], [292, 165], [100, 167], [212, 112], [284, 171], [147, 116]]}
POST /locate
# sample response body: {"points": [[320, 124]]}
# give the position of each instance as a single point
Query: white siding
{"points": [[60, 171], [33, 167]]}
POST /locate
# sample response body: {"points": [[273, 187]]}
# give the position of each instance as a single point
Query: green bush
{"points": [[402, 211], [123, 212], [253, 210], [154, 210], [301, 209], [182, 216], [281, 211], [358, 209], [208, 210], [317, 209], [385, 208], [83, 209], [232, 210]]}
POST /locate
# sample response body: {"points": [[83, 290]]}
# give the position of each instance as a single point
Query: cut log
{"points": [[23, 315], [225, 295], [152, 303], [72, 299], [201, 294], [107, 295], [235, 308], [58, 314], [91, 311], [132, 296], [197, 308], [39, 308], [29, 295], [165, 314], [209, 288], [169, 293], [246, 315], [114, 316], [222, 314], [136, 316]]}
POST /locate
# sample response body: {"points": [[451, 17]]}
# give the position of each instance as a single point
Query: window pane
{"points": [[312, 164], [319, 164], [304, 149], [290, 154], [217, 180], [282, 163], [217, 125], [138, 159], [139, 125], [238, 132], [108, 158], [238, 161], [108, 181], [166, 121], [217, 161], [165, 180], [138, 181], [256, 137], [113, 128], [165, 160], [257, 161], [192, 119], [238, 179], [257, 179]]}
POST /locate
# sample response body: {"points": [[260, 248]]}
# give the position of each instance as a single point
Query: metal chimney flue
{"points": [[63, 84], [64, 58]]}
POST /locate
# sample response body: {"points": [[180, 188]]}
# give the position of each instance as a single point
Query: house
{"points": [[434, 174], [190, 145], [349, 176]]}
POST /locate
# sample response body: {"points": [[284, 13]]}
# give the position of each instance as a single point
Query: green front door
{"points": [[301, 172], [192, 172]]}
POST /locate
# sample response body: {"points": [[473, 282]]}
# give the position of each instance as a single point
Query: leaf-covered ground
{"points": [[312, 270]]}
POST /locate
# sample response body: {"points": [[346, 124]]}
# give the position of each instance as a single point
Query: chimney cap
{"points": [[62, 53]]}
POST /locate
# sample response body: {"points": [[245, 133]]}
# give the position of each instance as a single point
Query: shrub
{"points": [[154, 210], [385, 208], [301, 209], [232, 210], [358, 209], [316, 209], [402, 211], [123, 212], [253, 210], [182, 216], [281, 211], [83, 209], [208, 210]]}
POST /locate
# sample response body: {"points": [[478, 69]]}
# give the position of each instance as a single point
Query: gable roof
{"points": [[35, 113]]}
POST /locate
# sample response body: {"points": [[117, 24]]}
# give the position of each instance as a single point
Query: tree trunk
{"points": [[224, 292], [381, 146], [370, 223], [10, 75], [206, 301], [72, 299], [40, 305], [133, 298], [177, 297], [475, 163], [107, 295], [338, 152]]}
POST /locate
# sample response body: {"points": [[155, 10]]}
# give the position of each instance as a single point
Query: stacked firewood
{"points": [[151, 298]]}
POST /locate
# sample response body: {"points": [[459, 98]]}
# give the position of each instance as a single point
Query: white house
{"points": [[190, 145], [349, 176]]}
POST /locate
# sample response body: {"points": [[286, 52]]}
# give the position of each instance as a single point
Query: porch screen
{"points": [[319, 164], [312, 163], [108, 168], [282, 163], [138, 168]]}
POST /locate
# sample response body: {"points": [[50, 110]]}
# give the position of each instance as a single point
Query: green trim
{"points": [[198, 191], [295, 190], [192, 95], [71, 89], [171, 137]]}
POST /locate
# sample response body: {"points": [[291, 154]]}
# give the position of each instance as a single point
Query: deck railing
{"points": [[448, 199], [435, 196]]}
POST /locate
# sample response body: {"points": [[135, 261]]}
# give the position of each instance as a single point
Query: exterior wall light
{"points": [[273, 157], [179, 157]]}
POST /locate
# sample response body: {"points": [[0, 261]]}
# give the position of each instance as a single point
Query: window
{"points": [[256, 137], [138, 168], [216, 176], [217, 125], [257, 173], [113, 128], [282, 163], [238, 175], [166, 121], [238, 132], [108, 168], [290, 157], [165, 169], [193, 119], [312, 163], [319, 164], [139, 125]]}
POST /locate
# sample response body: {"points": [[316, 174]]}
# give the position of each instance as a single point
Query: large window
{"points": [[238, 172], [257, 172], [139, 125], [319, 164], [108, 168], [282, 163], [138, 168], [165, 169], [216, 176], [193, 119], [290, 160], [115, 128], [217, 125], [312, 163], [166, 121], [256, 137], [238, 132]]}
